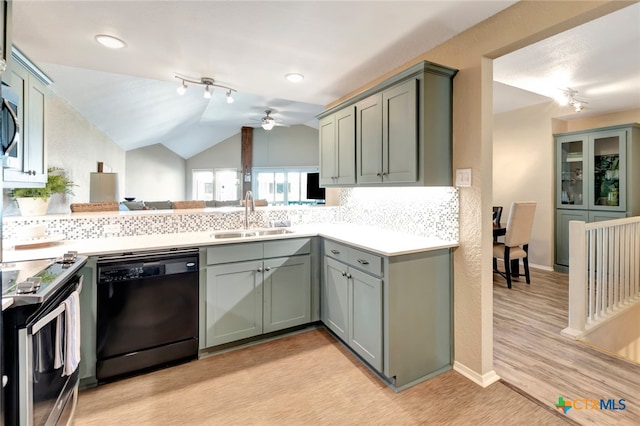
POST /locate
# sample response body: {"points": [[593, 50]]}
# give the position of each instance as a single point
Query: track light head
{"points": [[182, 89], [207, 92]]}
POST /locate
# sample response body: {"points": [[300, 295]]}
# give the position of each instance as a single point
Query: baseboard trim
{"points": [[483, 380]]}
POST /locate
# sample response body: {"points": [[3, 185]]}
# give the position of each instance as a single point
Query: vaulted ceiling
{"points": [[130, 93]]}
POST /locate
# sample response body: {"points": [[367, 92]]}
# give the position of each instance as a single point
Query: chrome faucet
{"points": [[248, 197]]}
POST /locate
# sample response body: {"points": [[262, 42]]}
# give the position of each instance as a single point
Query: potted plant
{"points": [[35, 201]]}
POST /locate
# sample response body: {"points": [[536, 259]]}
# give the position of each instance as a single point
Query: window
{"points": [[225, 182], [282, 186]]}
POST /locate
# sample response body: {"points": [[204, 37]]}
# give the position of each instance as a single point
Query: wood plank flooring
{"points": [[530, 353], [304, 379]]}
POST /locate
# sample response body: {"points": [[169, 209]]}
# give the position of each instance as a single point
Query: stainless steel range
{"points": [[42, 339]]}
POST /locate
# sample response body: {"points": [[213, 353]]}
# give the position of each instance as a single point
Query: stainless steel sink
{"points": [[250, 233], [279, 231]]}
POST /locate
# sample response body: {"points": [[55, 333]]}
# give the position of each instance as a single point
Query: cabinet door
{"points": [[562, 232], [328, 152], [400, 133], [369, 139], [335, 298], [34, 142], [345, 145], [607, 171], [571, 172], [234, 302], [287, 292], [365, 317]]}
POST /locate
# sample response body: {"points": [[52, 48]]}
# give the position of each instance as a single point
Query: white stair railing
{"points": [[604, 271]]}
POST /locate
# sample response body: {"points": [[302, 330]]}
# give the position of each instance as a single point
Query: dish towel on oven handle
{"points": [[58, 348], [72, 334]]}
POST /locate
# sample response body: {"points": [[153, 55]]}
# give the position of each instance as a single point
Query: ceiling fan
{"points": [[268, 122]]}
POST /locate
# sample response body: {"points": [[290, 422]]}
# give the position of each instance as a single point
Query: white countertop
{"points": [[383, 242]]}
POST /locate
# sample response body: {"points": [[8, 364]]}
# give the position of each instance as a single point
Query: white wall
{"points": [[154, 173], [286, 147]]}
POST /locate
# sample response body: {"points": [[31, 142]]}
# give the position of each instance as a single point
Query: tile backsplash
{"points": [[427, 211]]}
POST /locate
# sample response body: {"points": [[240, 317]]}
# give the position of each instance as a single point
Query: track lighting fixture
{"points": [[569, 96], [208, 83]]}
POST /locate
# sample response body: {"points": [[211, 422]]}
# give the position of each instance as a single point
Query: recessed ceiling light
{"points": [[110, 41], [294, 77]]}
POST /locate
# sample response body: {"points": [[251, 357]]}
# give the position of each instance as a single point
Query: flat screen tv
{"points": [[314, 191]]}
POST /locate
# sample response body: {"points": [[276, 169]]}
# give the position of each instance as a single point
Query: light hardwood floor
{"points": [[304, 379], [530, 353]]}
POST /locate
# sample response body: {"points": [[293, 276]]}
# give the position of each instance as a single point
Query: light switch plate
{"points": [[463, 177]]}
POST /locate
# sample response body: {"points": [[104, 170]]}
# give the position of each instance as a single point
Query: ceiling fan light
{"points": [[229, 97], [294, 77], [268, 123], [207, 92], [182, 89], [110, 41]]}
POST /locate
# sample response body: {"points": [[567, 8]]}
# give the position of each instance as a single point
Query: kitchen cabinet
{"points": [[256, 288], [597, 178], [403, 129], [354, 309], [387, 137], [337, 149], [28, 168], [393, 312]]}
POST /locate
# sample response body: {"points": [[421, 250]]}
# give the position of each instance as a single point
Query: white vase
{"points": [[33, 206]]}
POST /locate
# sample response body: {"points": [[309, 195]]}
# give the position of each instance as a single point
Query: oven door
{"points": [[46, 392]]}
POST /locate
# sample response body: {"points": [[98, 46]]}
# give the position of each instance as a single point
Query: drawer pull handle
{"points": [[334, 251], [363, 262]]}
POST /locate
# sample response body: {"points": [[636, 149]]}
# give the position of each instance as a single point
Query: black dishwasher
{"points": [[147, 314]]}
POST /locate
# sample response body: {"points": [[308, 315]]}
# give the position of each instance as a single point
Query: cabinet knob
{"points": [[259, 269], [378, 174], [348, 276], [344, 274], [334, 251], [267, 269]]}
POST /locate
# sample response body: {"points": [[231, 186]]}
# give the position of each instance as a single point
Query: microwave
{"points": [[10, 128]]}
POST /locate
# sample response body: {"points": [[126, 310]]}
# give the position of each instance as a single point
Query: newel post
{"points": [[577, 280]]}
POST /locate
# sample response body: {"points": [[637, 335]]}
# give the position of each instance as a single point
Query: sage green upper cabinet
{"points": [[29, 166], [337, 151], [403, 130], [386, 136]]}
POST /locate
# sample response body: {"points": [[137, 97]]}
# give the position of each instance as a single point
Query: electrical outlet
{"points": [[111, 229]]}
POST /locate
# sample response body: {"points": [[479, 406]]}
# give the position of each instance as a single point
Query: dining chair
{"points": [[516, 241], [497, 214]]}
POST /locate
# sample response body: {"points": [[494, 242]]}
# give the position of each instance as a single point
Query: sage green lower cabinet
{"points": [[249, 297], [286, 292], [234, 302], [393, 312]]}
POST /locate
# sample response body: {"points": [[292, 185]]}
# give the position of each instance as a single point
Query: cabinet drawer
{"points": [[290, 247], [234, 253], [368, 262], [337, 251]]}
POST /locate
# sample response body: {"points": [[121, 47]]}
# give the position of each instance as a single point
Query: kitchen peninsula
{"points": [[385, 294]]}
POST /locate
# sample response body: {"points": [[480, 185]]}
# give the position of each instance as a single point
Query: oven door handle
{"points": [[53, 314], [47, 319]]}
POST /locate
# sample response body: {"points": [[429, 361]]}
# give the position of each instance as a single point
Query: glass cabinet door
{"points": [[572, 163], [607, 172]]}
